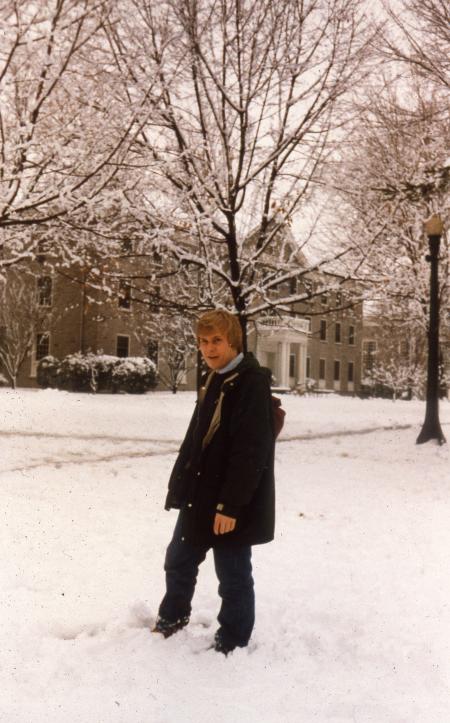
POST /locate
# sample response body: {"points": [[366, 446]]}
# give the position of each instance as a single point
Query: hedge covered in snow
{"points": [[97, 373]]}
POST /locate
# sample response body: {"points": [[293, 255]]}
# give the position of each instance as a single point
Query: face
{"points": [[216, 350]]}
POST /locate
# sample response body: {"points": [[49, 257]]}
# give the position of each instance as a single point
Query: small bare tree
{"points": [[22, 317], [176, 354]]}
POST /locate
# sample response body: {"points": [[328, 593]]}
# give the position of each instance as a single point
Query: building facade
{"points": [[105, 305], [317, 351]]}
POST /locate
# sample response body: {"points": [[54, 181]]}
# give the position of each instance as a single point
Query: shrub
{"points": [[134, 375], [77, 373], [104, 365], [97, 372], [47, 372]]}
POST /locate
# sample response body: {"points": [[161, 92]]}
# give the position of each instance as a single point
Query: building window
{"points": [[271, 362], [324, 299], [124, 295], [337, 332], [351, 372], [152, 351], [293, 365], [322, 369], [41, 350], [337, 370], [44, 289], [308, 367], [369, 353], [338, 298], [42, 345], [293, 286], [351, 335], [323, 330], [123, 345]]}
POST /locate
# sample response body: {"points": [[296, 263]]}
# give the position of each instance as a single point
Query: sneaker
{"points": [[168, 628], [220, 646]]}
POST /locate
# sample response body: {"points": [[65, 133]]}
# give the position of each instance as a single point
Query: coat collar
{"points": [[215, 421]]}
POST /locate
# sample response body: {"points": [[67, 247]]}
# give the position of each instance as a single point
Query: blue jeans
{"points": [[236, 588]]}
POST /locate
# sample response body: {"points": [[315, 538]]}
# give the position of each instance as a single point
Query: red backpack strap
{"points": [[278, 415]]}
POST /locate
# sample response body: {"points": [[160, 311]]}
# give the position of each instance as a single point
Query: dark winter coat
{"points": [[226, 461]]}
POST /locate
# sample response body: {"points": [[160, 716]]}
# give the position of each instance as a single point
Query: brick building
{"points": [[314, 345], [304, 350], [334, 344], [82, 318]]}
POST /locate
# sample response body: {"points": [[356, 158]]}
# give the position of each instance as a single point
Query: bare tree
{"points": [[420, 38], [175, 356], [246, 96], [397, 365], [63, 140], [393, 174], [23, 314]]}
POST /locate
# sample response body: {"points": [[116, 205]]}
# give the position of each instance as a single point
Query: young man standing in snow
{"points": [[223, 485]]}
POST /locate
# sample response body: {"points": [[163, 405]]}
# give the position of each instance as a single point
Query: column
{"points": [[283, 363], [301, 376]]}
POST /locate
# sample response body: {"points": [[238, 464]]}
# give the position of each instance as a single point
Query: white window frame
{"points": [[337, 326], [365, 345], [34, 360], [337, 382], [351, 383], [323, 380], [50, 303]]}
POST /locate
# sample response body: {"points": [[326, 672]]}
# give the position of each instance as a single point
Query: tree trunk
{"points": [[243, 323], [199, 369]]}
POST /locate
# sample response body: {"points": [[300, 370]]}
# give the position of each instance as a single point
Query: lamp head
{"points": [[434, 225]]}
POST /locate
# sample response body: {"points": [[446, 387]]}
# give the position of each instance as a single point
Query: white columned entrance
{"points": [[273, 340]]}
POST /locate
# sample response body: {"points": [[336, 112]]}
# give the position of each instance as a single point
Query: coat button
{"points": [[198, 474], [182, 539], [189, 504]]}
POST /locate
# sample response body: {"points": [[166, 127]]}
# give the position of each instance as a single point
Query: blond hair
{"points": [[223, 321]]}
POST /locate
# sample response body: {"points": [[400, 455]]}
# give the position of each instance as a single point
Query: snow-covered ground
{"points": [[353, 596]]}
